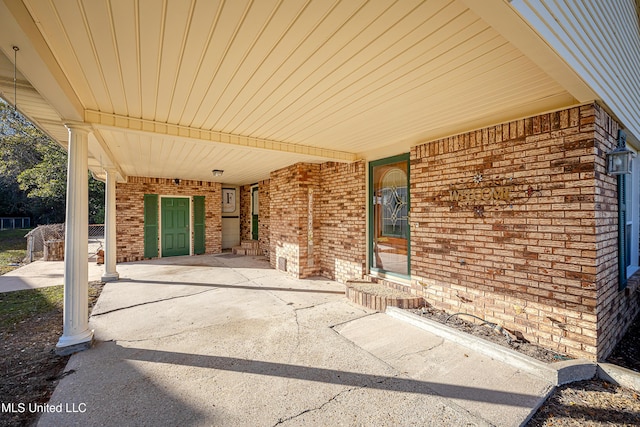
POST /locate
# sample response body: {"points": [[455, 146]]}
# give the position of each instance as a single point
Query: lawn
{"points": [[13, 249], [30, 325]]}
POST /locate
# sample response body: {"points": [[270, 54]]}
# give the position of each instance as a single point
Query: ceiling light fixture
{"points": [[217, 172]]}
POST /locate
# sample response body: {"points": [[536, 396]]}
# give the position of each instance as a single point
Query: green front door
{"points": [[175, 226]]}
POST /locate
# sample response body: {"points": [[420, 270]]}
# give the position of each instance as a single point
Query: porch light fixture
{"points": [[217, 172], [619, 160]]}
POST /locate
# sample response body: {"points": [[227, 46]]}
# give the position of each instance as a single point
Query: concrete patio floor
{"points": [[227, 341]]}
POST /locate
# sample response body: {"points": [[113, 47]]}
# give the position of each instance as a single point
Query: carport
{"points": [[199, 103]]}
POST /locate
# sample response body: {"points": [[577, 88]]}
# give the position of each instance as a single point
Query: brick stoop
{"points": [[247, 247], [377, 296]]}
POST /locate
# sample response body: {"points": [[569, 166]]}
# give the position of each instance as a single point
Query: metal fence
{"points": [[11, 223], [43, 233], [96, 239]]}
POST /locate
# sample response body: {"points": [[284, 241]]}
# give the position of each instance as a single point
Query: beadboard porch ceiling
{"points": [[177, 88]]}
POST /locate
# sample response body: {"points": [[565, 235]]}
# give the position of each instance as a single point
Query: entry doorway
{"points": [[175, 226], [389, 249], [255, 208]]}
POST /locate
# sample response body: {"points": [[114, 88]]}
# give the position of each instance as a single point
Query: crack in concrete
{"points": [[158, 338], [312, 306], [297, 346], [319, 408], [151, 302], [423, 351]]}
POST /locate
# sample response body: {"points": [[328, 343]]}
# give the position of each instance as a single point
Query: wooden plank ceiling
{"points": [[348, 76]]}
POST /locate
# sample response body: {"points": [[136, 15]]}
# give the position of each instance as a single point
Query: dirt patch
{"points": [[29, 367]]}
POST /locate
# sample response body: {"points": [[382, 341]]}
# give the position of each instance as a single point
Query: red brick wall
{"points": [[130, 212], [520, 246], [294, 193], [342, 213]]}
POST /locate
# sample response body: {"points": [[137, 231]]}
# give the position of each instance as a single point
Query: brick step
{"points": [[250, 244], [239, 250], [377, 296]]}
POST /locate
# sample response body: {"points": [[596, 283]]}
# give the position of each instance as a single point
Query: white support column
{"points": [[110, 273], [76, 335]]}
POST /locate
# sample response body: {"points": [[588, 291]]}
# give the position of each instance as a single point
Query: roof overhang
{"points": [[250, 87]]}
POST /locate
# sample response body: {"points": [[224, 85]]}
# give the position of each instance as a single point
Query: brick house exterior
{"points": [[545, 261], [457, 151], [515, 223]]}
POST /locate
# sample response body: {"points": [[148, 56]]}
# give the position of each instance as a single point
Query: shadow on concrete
{"points": [[210, 260], [331, 376], [103, 398], [221, 286]]}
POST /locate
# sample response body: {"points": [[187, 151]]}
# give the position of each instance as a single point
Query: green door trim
{"points": [[162, 232], [373, 164]]}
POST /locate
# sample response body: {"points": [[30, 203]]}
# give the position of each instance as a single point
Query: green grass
{"points": [[13, 248], [17, 306]]}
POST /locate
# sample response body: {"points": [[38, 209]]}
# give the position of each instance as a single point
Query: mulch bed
{"points": [[477, 327]]}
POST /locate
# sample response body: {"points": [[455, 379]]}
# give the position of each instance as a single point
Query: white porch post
{"points": [[76, 335], [110, 273]]}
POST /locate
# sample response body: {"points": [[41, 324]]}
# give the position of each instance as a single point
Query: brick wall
{"points": [[264, 216], [319, 220], [245, 212], [130, 212], [294, 193], [615, 309], [342, 213], [504, 226]]}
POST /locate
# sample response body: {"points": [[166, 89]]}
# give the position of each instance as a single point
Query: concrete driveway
{"points": [[227, 341]]}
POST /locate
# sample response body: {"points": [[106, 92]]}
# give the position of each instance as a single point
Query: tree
{"points": [[33, 173]]}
